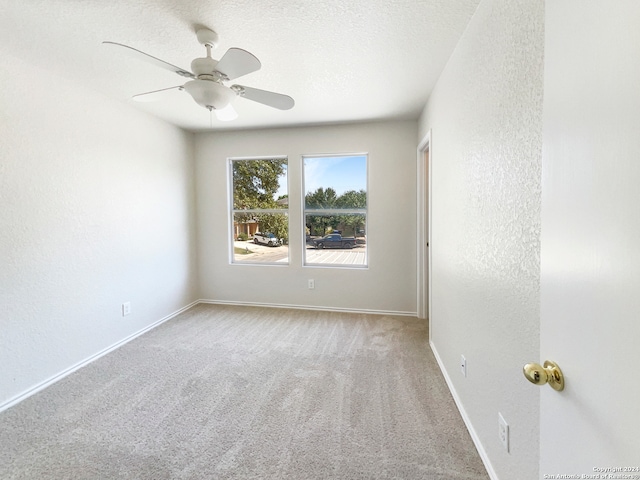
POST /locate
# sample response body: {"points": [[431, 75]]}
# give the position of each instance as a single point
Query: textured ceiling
{"points": [[340, 60]]}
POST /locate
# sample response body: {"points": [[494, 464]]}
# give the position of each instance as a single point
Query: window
{"points": [[259, 210], [335, 210]]}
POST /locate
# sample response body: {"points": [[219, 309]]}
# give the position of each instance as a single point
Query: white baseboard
{"points": [[309, 307], [474, 436], [59, 376]]}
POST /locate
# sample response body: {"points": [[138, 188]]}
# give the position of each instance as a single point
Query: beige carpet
{"points": [[224, 392]]}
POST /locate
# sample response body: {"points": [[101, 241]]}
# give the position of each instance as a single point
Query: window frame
{"points": [[231, 211], [334, 211]]}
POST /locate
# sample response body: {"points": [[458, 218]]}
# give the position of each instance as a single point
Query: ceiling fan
{"points": [[207, 82]]}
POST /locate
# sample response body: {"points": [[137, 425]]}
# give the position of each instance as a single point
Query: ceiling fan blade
{"points": [[272, 99], [152, 96], [237, 62], [156, 61]]}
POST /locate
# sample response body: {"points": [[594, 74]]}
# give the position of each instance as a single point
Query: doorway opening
{"points": [[424, 169]]}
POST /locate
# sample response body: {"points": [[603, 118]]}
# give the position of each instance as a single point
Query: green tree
{"points": [[255, 183], [321, 199], [351, 223], [352, 199], [326, 198], [320, 225], [275, 223]]}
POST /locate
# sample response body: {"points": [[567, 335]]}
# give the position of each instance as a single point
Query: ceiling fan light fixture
{"points": [[226, 114], [208, 93]]}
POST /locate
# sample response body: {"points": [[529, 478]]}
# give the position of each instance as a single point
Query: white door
{"points": [[590, 258]]}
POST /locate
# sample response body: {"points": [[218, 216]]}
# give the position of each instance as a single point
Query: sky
{"points": [[342, 173]]}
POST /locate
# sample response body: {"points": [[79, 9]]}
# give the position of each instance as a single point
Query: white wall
{"points": [[387, 285], [97, 208], [486, 119]]}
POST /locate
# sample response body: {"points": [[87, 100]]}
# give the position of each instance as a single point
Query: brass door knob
{"points": [[550, 374]]}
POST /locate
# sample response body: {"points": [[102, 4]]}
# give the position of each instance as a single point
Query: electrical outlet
{"points": [[503, 431], [126, 309], [312, 284], [463, 365]]}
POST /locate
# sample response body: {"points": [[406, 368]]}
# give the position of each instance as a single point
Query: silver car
{"points": [[266, 239]]}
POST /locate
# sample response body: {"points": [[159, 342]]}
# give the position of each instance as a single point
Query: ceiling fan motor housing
{"points": [[209, 94], [203, 66]]}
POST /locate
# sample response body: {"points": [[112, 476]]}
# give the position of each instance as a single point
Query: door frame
{"points": [[424, 208]]}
